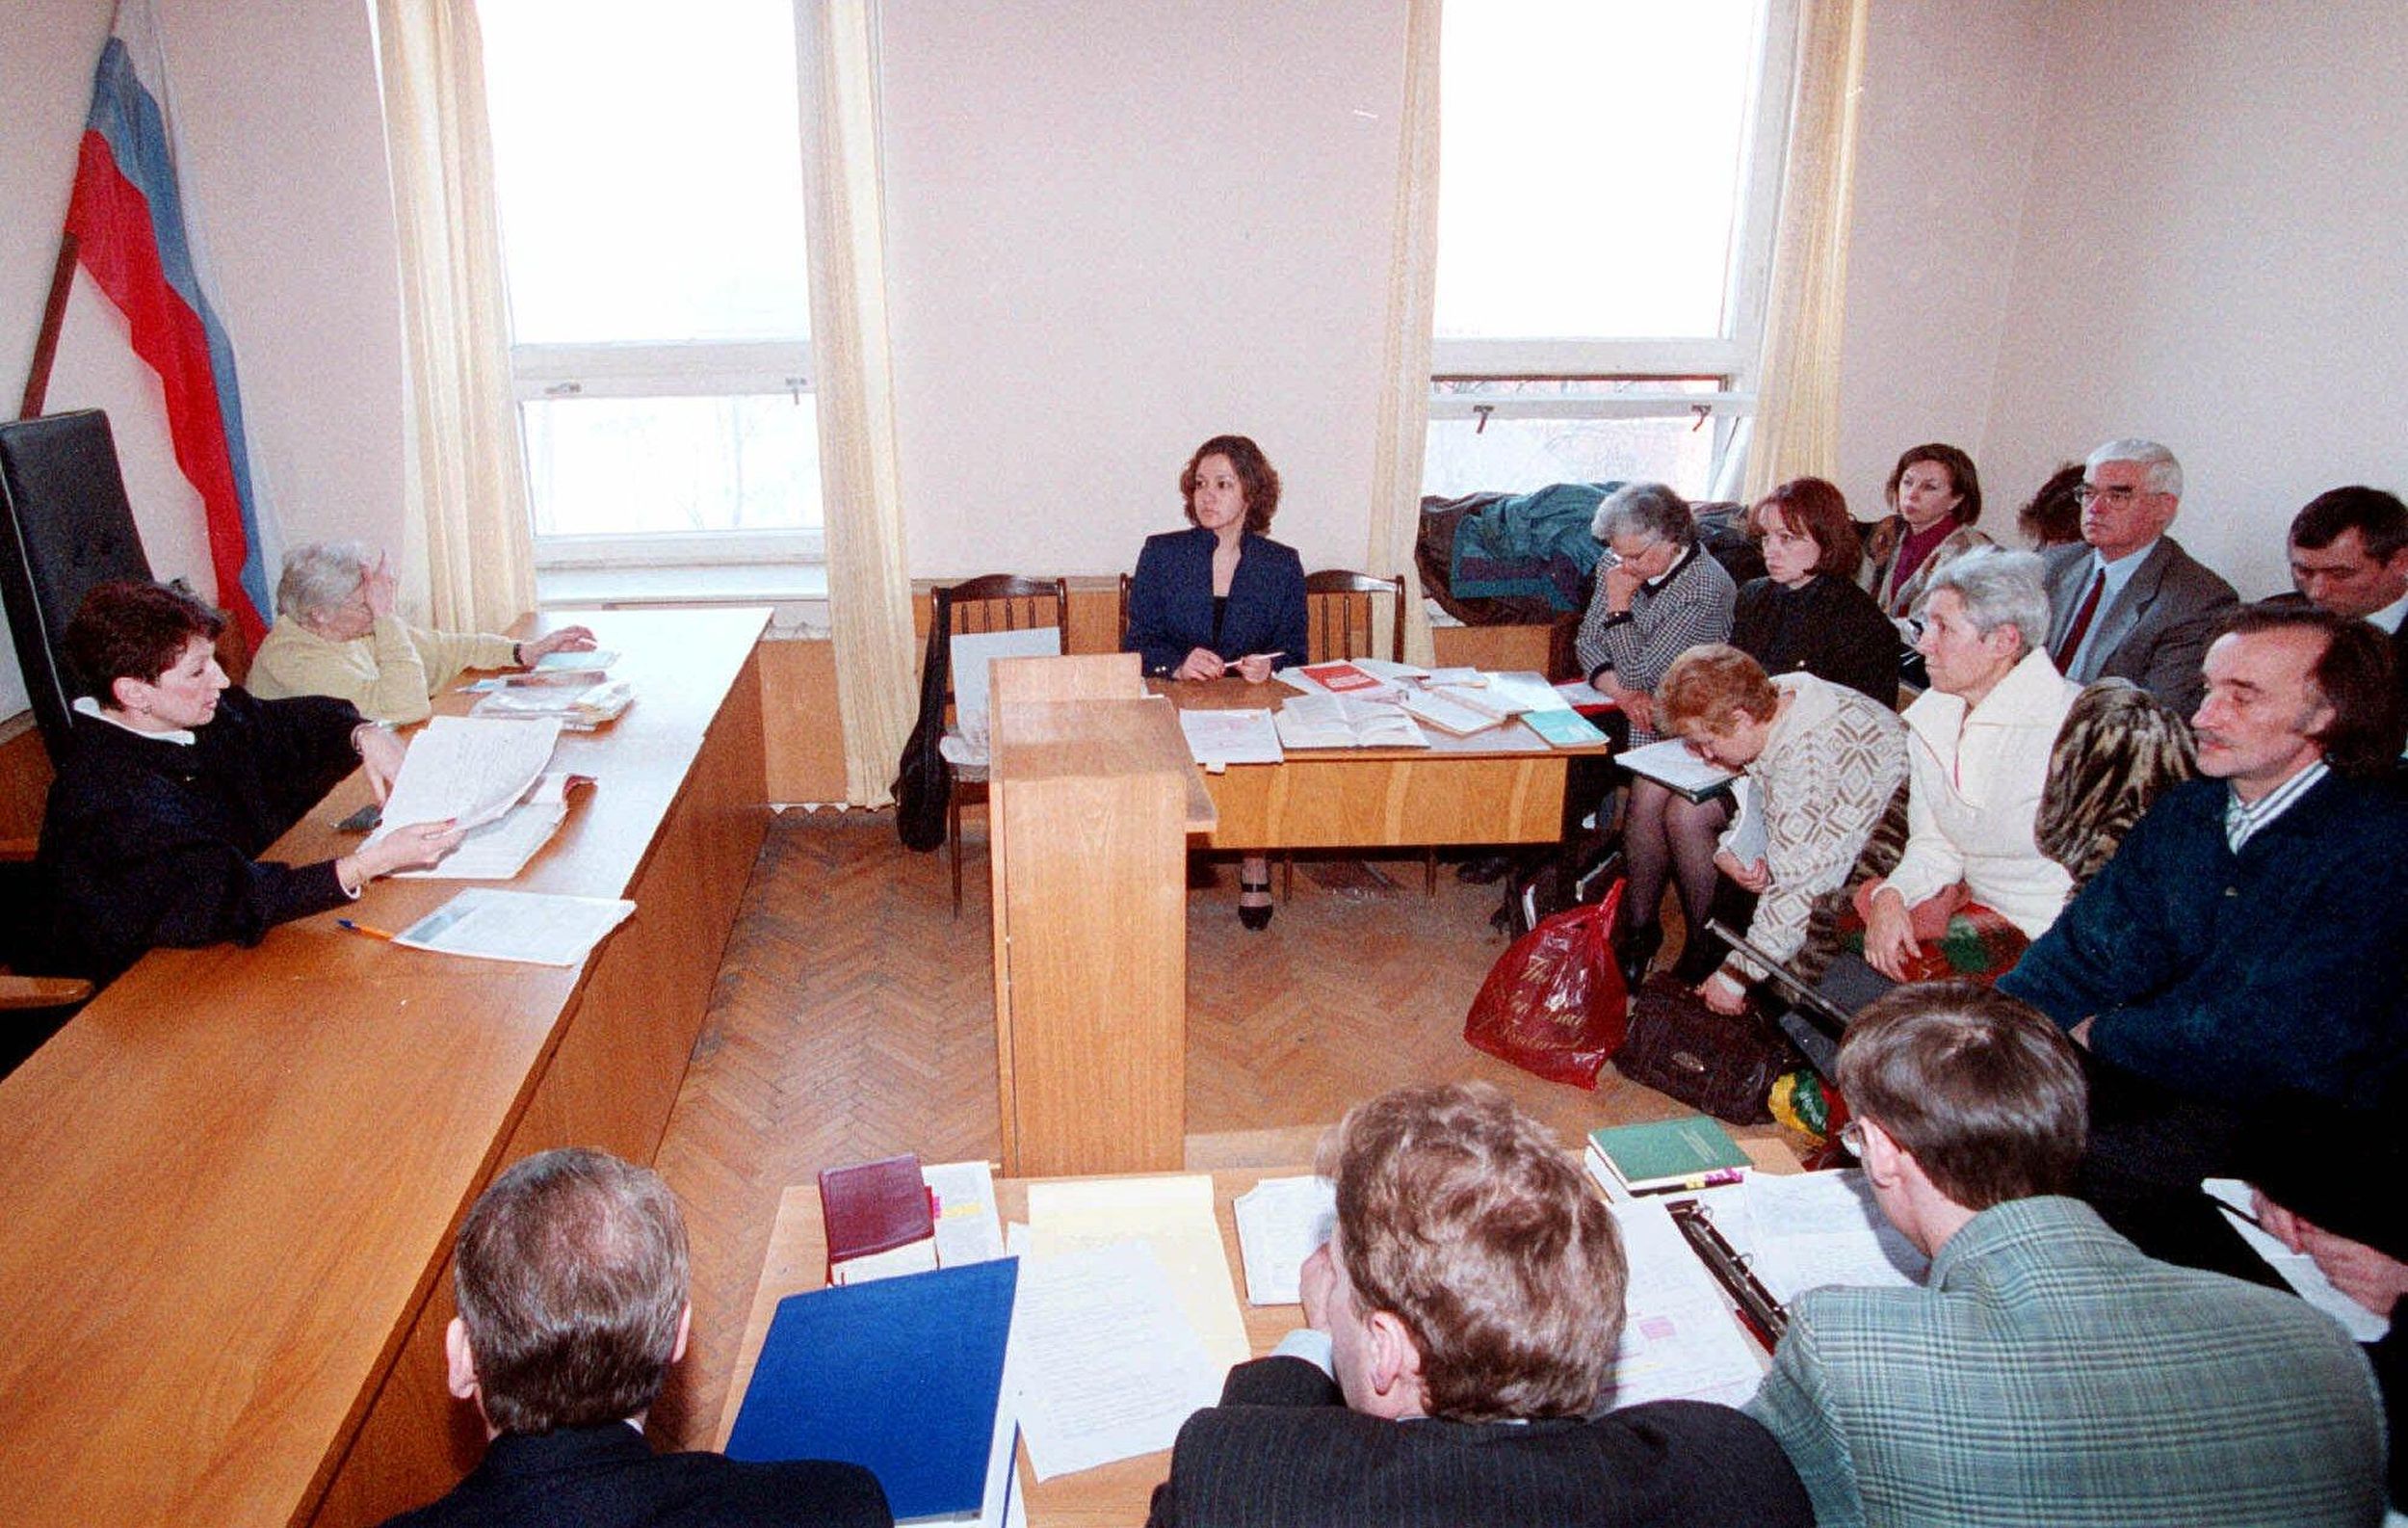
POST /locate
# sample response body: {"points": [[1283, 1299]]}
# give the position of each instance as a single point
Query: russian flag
{"points": [[128, 219]]}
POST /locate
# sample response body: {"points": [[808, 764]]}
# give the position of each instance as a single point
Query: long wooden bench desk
{"points": [[1500, 786], [228, 1189]]}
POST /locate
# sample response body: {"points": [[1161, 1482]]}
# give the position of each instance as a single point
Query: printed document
{"points": [[1807, 1230], [469, 770], [1172, 1214], [1243, 736], [1103, 1364], [1281, 1222], [1680, 1340], [516, 926]]}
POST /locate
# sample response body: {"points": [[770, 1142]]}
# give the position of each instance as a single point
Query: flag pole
{"points": [[53, 314]]}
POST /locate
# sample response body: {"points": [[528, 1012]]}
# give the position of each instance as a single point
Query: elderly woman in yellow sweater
{"points": [[336, 634]]}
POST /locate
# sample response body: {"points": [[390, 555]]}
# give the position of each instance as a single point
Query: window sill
{"points": [[798, 590]]}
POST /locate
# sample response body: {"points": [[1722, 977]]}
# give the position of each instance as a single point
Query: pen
{"points": [[361, 928]]}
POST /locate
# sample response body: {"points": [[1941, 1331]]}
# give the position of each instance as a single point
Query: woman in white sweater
{"points": [[1977, 756], [1822, 762]]}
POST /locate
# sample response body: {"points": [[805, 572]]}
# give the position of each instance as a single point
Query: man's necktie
{"points": [[2080, 628]]}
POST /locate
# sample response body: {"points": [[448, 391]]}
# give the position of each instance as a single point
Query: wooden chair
{"points": [[994, 602], [1340, 617], [1341, 608], [1120, 641]]}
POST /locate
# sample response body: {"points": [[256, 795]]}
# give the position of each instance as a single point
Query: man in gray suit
{"points": [[2128, 602]]}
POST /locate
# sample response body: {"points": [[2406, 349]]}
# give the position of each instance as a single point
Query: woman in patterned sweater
{"points": [[1822, 761]]}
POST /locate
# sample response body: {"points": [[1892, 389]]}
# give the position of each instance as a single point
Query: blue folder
{"points": [[901, 1375]]}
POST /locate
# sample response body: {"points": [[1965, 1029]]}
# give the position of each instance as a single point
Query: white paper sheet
{"points": [[1680, 1340], [1329, 721], [499, 850], [1104, 1364], [1246, 736], [967, 1230], [1807, 1230], [2299, 1269], [469, 770], [1173, 1215], [973, 650], [526, 926], [1280, 1223], [1671, 762]]}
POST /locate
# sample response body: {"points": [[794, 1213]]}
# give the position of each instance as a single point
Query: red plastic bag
{"points": [[1554, 1003]]}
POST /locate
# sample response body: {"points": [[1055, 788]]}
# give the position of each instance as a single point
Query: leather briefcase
{"points": [[1721, 1064]]}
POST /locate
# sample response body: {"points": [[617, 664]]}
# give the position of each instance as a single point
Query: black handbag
{"points": [[924, 782], [1720, 1064]]}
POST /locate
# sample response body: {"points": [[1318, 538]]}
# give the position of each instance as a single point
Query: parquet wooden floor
{"points": [[855, 1018]]}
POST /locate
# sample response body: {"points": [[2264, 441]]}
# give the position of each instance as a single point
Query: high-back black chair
{"points": [[67, 527]]}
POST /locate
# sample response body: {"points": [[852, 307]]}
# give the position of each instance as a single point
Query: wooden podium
{"points": [[1091, 797]]}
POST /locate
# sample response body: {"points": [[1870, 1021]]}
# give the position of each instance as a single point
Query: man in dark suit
{"points": [[2349, 555], [2128, 602], [1461, 1330], [571, 1277]]}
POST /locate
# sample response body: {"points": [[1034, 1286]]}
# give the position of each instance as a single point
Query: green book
{"points": [[1565, 728], [1692, 1153]]}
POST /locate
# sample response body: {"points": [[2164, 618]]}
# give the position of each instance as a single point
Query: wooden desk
{"points": [[1112, 1496], [1501, 786], [229, 1187]]}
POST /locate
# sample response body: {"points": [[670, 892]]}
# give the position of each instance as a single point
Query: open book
{"points": [[1330, 721]]}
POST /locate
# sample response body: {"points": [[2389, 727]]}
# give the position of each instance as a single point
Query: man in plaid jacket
{"points": [[2047, 1373]]}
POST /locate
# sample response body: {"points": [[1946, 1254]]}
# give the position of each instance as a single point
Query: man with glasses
{"points": [[2047, 1372], [2127, 602]]}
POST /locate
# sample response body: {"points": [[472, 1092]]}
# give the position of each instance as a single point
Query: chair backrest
{"points": [[1341, 608], [68, 527], [1120, 633], [1002, 602]]}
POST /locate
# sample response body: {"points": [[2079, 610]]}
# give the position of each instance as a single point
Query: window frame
{"points": [[1732, 357], [552, 372]]}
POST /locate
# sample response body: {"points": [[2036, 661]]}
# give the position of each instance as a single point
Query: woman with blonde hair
{"points": [[1821, 762]]}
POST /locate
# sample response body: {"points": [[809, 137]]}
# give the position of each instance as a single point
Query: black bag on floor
{"points": [[1561, 879], [1722, 1064]]}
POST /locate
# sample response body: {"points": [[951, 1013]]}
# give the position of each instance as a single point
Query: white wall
{"points": [[2211, 255], [1947, 123], [1115, 231], [285, 192]]}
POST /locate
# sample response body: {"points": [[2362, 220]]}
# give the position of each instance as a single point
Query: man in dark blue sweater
{"points": [[2243, 946]]}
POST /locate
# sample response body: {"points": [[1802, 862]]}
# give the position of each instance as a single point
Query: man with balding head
{"points": [[1460, 1334], [2128, 602], [571, 1274]]}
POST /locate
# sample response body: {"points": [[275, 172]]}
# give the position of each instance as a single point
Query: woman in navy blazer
{"points": [[1221, 599]]}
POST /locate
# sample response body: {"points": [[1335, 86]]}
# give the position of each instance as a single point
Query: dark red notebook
{"points": [[872, 1207]]}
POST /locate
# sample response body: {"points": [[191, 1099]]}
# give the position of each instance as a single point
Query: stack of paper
{"points": [[579, 709], [1127, 1322]]}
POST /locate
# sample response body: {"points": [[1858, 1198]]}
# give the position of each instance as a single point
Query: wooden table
{"points": [[1504, 785], [228, 1189], [1111, 1496]]}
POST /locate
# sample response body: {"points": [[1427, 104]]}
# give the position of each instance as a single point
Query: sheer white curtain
{"points": [[1412, 303], [468, 538], [869, 581], [1798, 425]]}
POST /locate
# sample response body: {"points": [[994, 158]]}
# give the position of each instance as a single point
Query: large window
{"points": [[649, 172], [1608, 173]]}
